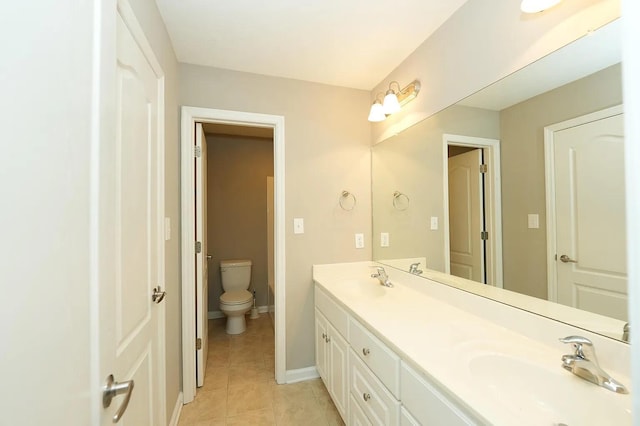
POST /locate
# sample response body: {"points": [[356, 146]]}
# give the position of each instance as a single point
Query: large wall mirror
{"points": [[517, 192]]}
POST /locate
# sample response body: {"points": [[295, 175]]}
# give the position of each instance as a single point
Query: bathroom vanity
{"points": [[424, 353]]}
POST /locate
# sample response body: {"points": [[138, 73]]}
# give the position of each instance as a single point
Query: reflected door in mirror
{"points": [[590, 216]]}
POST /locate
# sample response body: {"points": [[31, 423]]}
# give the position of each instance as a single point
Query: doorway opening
{"points": [[472, 208], [274, 125]]}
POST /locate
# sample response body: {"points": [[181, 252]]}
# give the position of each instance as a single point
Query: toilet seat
{"points": [[236, 297]]}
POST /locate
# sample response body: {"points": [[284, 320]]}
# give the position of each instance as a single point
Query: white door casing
{"points": [[466, 216], [130, 262], [493, 202], [271, 291], [202, 264], [190, 116], [586, 207]]}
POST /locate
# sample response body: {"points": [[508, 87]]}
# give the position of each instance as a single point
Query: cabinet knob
{"points": [[365, 351], [324, 336], [366, 397], [328, 339]]}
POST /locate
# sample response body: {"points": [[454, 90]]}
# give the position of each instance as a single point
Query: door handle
{"points": [[158, 294], [112, 389], [566, 259]]}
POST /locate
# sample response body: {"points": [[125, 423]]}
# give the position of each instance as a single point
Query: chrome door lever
{"points": [[158, 294], [566, 259], [112, 389]]}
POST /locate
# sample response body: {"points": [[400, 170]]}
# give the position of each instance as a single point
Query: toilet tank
{"points": [[236, 274]]}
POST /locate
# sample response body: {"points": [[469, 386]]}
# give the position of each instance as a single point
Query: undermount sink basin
{"points": [[543, 395]]}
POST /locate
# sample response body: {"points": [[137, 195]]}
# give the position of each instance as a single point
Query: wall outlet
{"points": [[359, 241], [533, 221], [434, 223], [298, 225], [384, 239]]}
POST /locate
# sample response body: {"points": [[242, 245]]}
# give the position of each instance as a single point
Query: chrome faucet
{"points": [[382, 276], [584, 364], [413, 268]]}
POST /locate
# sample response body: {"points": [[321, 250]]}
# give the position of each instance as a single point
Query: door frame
{"points": [[493, 217], [189, 116], [550, 193]]}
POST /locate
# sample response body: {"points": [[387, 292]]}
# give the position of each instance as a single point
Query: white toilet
{"points": [[236, 301]]}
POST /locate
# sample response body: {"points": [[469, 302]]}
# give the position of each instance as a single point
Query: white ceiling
{"points": [[351, 43]]}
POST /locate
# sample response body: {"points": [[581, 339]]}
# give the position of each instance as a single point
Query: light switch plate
{"points": [[384, 239], [434, 223], [298, 225], [359, 241], [533, 221]]}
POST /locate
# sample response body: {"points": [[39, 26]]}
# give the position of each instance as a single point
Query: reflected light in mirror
{"points": [[535, 6]]}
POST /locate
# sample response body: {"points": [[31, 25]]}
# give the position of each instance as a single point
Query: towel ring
{"points": [[397, 195], [346, 199]]}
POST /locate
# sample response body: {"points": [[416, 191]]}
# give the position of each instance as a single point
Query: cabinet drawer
{"points": [[376, 355], [337, 316], [356, 415], [370, 394], [426, 403]]}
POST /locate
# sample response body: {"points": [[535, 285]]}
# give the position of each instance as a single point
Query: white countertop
{"points": [[503, 375]]}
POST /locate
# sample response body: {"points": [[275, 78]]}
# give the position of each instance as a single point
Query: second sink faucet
{"points": [[584, 364], [382, 276], [413, 268]]}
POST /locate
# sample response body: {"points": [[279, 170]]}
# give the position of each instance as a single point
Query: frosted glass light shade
{"points": [[535, 6], [391, 104], [377, 112]]}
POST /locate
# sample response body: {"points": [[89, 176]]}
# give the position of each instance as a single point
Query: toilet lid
{"points": [[236, 297]]}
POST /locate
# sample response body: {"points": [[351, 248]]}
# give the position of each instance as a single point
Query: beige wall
{"points": [[237, 168], [326, 150], [411, 163], [484, 41], [155, 31], [523, 186]]}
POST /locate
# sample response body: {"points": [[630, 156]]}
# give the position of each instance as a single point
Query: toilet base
{"points": [[236, 324]]}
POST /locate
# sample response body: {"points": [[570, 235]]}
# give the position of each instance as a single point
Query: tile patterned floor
{"points": [[240, 389]]}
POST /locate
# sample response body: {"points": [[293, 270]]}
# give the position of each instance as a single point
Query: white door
{"points": [[131, 261], [465, 216], [202, 264], [271, 289], [590, 217]]}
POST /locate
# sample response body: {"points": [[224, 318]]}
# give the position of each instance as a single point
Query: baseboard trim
{"points": [[301, 374], [176, 411], [220, 314]]}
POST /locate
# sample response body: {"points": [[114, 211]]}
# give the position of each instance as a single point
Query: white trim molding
{"points": [[494, 221], [550, 193], [302, 374], [191, 115], [177, 410]]}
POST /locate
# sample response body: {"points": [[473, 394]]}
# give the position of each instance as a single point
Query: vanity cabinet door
{"points": [[337, 370], [427, 404], [321, 347], [332, 353], [406, 419]]}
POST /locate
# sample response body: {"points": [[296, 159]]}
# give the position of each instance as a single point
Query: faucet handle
{"points": [[583, 347], [577, 340]]}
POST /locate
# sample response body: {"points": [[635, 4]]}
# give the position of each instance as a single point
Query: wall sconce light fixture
{"points": [[535, 6], [393, 100]]}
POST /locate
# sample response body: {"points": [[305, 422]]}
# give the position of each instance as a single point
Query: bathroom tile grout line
{"points": [[282, 405]]}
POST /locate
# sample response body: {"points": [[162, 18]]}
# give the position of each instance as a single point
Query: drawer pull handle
{"points": [[365, 351], [366, 397], [324, 336], [328, 339]]}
